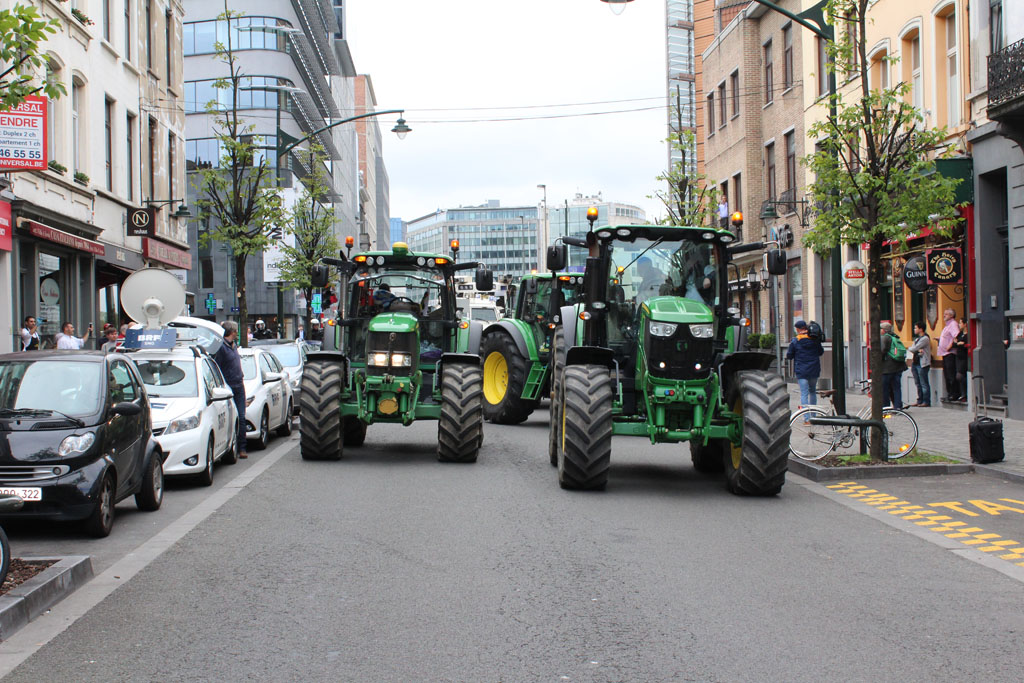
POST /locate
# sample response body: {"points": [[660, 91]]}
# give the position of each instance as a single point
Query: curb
{"points": [[992, 471], [32, 598], [816, 472]]}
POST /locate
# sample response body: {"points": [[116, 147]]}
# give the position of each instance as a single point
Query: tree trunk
{"points": [[243, 307], [876, 276]]}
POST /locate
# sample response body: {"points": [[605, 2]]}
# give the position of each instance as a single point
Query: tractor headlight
{"points": [[663, 329], [401, 359], [378, 359], [76, 444], [702, 331], [183, 424]]}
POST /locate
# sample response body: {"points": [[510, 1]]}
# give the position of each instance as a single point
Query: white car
{"points": [[292, 355], [484, 311], [268, 396], [193, 411]]}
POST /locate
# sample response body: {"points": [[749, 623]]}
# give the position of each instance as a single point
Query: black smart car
{"points": [[76, 437]]}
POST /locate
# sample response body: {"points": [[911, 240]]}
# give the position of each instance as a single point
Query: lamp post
{"points": [[813, 19], [545, 236]]}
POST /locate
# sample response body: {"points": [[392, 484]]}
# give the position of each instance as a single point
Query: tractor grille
{"points": [[680, 353], [405, 342]]}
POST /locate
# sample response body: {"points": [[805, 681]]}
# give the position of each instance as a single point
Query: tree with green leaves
{"points": [[688, 199], [311, 224], [875, 179], [238, 197], [22, 32]]}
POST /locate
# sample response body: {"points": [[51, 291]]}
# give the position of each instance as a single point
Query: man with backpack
{"points": [[894, 362], [805, 351]]}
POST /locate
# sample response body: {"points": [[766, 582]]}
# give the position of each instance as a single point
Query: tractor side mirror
{"points": [[319, 277], [556, 257], [484, 279], [530, 286], [776, 261]]}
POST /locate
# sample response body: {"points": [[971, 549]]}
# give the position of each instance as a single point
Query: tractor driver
{"points": [[383, 297], [651, 280]]}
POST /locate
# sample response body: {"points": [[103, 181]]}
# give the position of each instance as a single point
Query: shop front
{"points": [[116, 264]]}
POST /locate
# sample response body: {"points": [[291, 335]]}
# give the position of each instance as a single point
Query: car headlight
{"points": [[702, 331], [183, 424], [79, 443], [249, 400], [663, 329]]}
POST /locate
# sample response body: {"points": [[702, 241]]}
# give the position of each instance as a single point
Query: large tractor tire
{"points": [[460, 431], [354, 431], [555, 408], [586, 449], [758, 467], [708, 458], [505, 372], [320, 430]]}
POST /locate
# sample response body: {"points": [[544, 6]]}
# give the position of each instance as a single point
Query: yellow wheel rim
{"points": [[495, 378], [736, 451]]}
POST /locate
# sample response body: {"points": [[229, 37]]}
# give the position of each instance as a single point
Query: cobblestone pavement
{"points": [[943, 431]]}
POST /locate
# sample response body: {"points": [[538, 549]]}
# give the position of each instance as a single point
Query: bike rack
{"points": [[860, 423]]}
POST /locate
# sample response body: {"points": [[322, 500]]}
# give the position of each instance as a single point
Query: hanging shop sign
{"points": [[6, 237], [854, 273], [164, 253], [945, 266], [915, 274], [142, 222], [23, 136]]}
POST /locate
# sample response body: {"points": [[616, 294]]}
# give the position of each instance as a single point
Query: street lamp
{"points": [[544, 237]]}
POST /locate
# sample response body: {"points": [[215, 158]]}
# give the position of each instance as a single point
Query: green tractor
{"points": [[516, 350], [396, 352], [653, 351]]}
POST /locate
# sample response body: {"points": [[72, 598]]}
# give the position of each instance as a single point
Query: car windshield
{"points": [[68, 387], [413, 291], [288, 355], [487, 314], [645, 268], [249, 367], [169, 378]]}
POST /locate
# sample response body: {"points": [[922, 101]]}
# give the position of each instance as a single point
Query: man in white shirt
{"points": [[68, 340]]}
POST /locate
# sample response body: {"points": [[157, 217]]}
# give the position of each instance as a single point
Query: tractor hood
{"points": [[394, 322], [674, 309]]}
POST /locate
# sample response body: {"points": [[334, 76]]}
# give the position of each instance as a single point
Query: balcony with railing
{"points": [[1006, 84]]}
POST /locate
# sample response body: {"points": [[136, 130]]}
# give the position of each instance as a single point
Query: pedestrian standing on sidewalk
{"points": [[962, 347], [947, 351], [30, 334], [922, 350], [892, 371], [109, 342], [68, 340], [230, 364], [805, 352]]}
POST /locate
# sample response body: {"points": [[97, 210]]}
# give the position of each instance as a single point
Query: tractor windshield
{"points": [[413, 291], [642, 269]]}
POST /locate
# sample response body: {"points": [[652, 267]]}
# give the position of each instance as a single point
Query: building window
{"points": [[734, 83], [172, 143], [130, 145], [711, 114], [128, 30], [851, 40], [911, 59], [769, 155], [822, 67], [787, 55], [791, 163], [995, 25], [106, 21], [768, 82], [878, 74], [149, 33], [151, 176], [168, 26], [108, 142], [952, 72], [76, 124], [723, 103], [737, 193], [53, 123], [206, 273]]}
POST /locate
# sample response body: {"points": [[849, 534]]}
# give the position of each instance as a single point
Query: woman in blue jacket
{"points": [[805, 352]]}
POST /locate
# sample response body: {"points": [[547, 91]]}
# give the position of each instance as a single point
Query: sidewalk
{"points": [[943, 431]]}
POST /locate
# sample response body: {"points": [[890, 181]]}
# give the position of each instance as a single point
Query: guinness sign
{"points": [[915, 274], [945, 266], [142, 222]]}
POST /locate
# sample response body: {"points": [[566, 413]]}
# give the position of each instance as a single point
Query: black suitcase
{"points": [[986, 434]]}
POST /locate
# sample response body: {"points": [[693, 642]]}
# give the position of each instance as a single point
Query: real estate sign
{"points": [[23, 136]]}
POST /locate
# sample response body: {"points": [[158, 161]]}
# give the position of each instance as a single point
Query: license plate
{"points": [[24, 494]]}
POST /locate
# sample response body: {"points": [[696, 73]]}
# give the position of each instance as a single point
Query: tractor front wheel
{"points": [[320, 429], [585, 452], [758, 466], [460, 431], [505, 373]]}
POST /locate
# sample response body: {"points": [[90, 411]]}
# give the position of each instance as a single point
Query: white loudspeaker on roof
{"points": [[152, 297]]}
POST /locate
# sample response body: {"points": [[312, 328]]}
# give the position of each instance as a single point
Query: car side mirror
{"points": [[269, 377], [126, 408], [556, 257], [484, 279], [319, 276], [776, 261], [222, 394]]}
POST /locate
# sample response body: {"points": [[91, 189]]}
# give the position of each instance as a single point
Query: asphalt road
{"points": [[389, 566]]}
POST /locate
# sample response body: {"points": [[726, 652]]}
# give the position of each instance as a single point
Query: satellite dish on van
{"points": [[152, 297]]}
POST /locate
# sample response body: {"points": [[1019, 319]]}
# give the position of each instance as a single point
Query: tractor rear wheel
{"points": [[320, 429], [555, 407], [354, 431], [758, 466], [586, 446], [460, 431], [505, 372], [708, 458]]}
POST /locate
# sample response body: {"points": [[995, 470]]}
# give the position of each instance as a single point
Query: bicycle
{"points": [[814, 442]]}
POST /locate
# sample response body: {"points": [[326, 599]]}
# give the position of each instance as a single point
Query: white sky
{"points": [[437, 58]]}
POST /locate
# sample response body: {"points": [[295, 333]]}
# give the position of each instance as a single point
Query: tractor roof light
{"points": [[737, 218], [399, 248], [454, 245], [350, 241]]}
